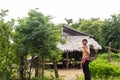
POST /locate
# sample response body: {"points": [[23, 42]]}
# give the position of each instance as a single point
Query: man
{"points": [[85, 59]]}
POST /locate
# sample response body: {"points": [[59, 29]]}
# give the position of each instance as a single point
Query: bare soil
{"points": [[65, 74], [70, 74]]}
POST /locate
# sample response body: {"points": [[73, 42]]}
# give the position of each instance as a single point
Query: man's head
{"points": [[84, 42]]}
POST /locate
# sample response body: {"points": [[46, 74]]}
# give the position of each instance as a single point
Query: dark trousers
{"points": [[86, 70]]}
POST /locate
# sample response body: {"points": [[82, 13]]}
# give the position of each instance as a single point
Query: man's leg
{"points": [[86, 70]]}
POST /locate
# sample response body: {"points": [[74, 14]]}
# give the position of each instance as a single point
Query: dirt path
{"points": [[70, 74]]}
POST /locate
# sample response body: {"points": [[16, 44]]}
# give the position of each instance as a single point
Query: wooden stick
{"points": [[112, 48]]}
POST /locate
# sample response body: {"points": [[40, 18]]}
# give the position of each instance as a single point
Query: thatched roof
{"points": [[74, 40], [74, 43]]}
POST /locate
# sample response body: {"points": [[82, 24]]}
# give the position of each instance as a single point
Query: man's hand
{"points": [[85, 48]]}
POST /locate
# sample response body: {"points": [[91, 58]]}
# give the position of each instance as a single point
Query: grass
{"points": [[81, 77]]}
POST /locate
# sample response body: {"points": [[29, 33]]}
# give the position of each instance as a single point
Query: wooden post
{"points": [[43, 66], [36, 66], [67, 57], [109, 50]]}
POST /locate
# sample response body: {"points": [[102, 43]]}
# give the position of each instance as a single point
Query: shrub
{"points": [[98, 78], [114, 56], [103, 69]]}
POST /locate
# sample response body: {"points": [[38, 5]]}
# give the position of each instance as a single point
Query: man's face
{"points": [[84, 43]]}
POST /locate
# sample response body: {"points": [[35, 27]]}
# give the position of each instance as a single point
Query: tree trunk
{"points": [[29, 73], [36, 66], [36, 72], [43, 67], [30, 67], [55, 69], [109, 50], [21, 67]]}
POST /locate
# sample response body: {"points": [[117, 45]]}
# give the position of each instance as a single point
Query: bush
{"points": [[114, 56], [103, 69], [98, 78]]}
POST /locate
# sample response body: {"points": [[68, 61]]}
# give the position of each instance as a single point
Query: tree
{"points": [[37, 36], [111, 31], [92, 27], [54, 53], [6, 54]]}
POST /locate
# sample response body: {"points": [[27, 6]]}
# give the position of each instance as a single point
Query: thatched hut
{"points": [[73, 44]]}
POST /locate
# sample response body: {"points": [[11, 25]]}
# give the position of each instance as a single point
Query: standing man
{"points": [[85, 59]]}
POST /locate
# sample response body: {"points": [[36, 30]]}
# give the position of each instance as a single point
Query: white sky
{"points": [[61, 9]]}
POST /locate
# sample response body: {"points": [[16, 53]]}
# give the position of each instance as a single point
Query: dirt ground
{"points": [[70, 74], [65, 74]]}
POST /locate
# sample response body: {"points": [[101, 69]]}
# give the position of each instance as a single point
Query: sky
{"points": [[61, 9]]}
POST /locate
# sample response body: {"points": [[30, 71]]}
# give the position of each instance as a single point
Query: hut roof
{"points": [[67, 31], [74, 39], [73, 43]]}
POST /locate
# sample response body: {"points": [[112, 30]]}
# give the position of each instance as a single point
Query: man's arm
{"points": [[86, 49]]}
